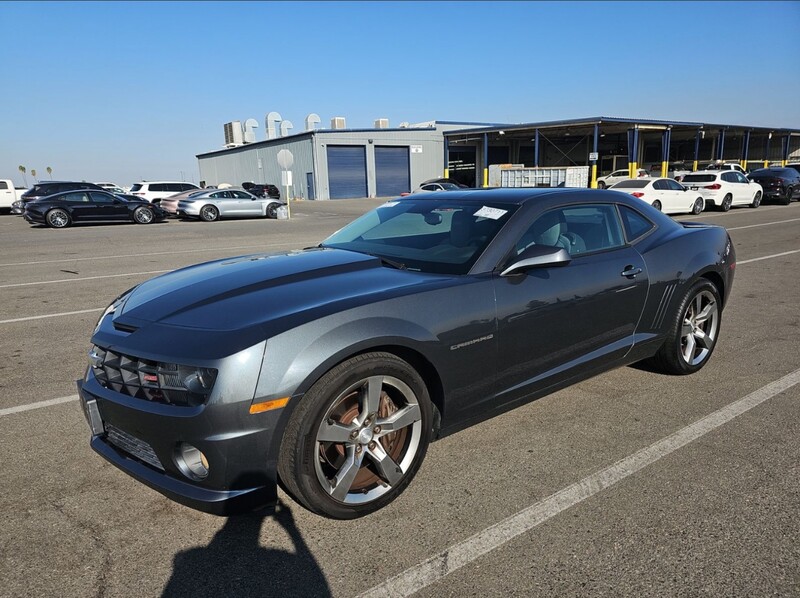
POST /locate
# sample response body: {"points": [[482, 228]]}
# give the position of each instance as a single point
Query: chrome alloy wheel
{"points": [[699, 330], [143, 216], [368, 439]]}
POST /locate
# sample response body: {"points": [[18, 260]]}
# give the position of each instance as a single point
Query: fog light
{"points": [[191, 461]]}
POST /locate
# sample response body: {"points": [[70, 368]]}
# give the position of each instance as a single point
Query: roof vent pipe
{"points": [[272, 118]]}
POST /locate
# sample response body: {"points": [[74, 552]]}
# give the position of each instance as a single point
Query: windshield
{"points": [[632, 184], [436, 236]]}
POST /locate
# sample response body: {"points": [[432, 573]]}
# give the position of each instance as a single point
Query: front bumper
{"points": [[141, 438]]}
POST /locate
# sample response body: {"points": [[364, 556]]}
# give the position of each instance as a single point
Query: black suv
{"points": [[781, 184], [262, 190], [49, 188]]}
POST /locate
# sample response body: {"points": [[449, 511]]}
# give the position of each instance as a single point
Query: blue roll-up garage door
{"points": [[347, 171], [392, 174]]}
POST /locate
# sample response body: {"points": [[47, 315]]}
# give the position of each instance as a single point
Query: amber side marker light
{"points": [[268, 405]]}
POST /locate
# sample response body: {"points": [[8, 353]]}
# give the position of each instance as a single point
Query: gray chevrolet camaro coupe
{"points": [[330, 369]]}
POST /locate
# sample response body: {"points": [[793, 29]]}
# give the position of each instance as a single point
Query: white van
{"points": [[154, 190]]}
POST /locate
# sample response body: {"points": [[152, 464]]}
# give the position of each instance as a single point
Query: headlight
{"points": [[157, 381], [119, 301]]}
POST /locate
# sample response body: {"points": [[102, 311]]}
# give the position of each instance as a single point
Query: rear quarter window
{"points": [[635, 225], [136, 187]]}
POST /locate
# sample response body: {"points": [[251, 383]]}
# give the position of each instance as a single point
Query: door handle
{"points": [[631, 272]]}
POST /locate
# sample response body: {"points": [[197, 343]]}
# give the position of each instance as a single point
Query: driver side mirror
{"points": [[537, 256]]}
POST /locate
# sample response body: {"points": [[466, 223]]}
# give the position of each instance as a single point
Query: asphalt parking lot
{"points": [[715, 515]]}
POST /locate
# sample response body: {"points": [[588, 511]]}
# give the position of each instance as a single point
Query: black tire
{"points": [[272, 210], [756, 200], [671, 357], [58, 218], [785, 201], [726, 203], [699, 206], [339, 404], [657, 205], [209, 213], [143, 215], [601, 185]]}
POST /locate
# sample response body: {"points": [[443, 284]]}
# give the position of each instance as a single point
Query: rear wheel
{"points": [[58, 218], [143, 215], [358, 437], [699, 205], [756, 200], [657, 205], [209, 213], [693, 331], [726, 203], [787, 199]]}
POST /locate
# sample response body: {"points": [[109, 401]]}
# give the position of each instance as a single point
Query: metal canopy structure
{"points": [[610, 143]]}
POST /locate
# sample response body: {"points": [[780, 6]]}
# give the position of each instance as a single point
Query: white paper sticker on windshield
{"points": [[389, 204], [487, 212]]}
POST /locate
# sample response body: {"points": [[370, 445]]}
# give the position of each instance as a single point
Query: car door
{"points": [[744, 190], [680, 200], [554, 322], [107, 207], [80, 206], [247, 204], [224, 202]]}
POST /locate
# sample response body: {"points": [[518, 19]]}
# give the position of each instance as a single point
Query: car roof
{"points": [[499, 194]]}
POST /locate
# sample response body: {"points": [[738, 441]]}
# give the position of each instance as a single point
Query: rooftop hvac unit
{"points": [[381, 123], [337, 122], [233, 133]]}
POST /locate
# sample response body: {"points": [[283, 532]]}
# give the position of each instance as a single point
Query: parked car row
{"points": [[59, 204]]}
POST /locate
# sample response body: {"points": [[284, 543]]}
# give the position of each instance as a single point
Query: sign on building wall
{"points": [[416, 149]]}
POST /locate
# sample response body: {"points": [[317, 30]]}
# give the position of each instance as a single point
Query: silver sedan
{"points": [[213, 204]]}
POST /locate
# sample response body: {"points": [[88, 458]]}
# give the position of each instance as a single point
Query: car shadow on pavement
{"points": [[234, 563]]}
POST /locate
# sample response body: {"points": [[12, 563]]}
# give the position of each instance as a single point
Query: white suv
{"points": [[617, 176], [724, 188], [153, 191]]}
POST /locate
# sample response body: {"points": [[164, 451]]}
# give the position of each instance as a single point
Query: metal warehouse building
{"points": [[352, 163], [339, 163]]}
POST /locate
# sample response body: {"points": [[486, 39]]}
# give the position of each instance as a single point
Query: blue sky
{"points": [[126, 91]]}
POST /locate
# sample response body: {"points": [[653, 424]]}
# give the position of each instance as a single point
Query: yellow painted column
{"points": [[766, 163], [664, 169], [634, 167], [744, 164], [446, 173], [485, 177], [594, 176], [694, 166], [783, 163]]}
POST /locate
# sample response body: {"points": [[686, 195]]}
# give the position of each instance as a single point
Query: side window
{"points": [[3, 185], [187, 187], [620, 173], [578, 229], [740, 177], [76, 197], [728, 177], [661, 185], [157, 187], [174, 187], [635, 224], [219, 195], [675, 185], [100, 197]]}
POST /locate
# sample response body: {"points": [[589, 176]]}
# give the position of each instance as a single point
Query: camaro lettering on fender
{"points": [[472, 342]]}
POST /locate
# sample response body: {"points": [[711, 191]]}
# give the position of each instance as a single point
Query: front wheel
{"points": [[58, 218], [693, 331], [657, 205], [357, 438], [143, 216], [272, 210], [787, 199], [756, 200], [209, 213], [699, 206], [726, 203]]}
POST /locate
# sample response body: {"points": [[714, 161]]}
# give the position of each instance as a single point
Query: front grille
{"points": [[133, 446], [150, 380]]}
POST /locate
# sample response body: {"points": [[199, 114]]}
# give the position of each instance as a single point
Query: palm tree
{"points": [[23, 170], [33, 173], [49, 172]]}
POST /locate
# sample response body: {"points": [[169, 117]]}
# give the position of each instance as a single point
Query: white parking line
{"points": [[39, 405], [63, 313], [30, 284], [138, 255], [760, 210], [764, 224], [767, 257], [453, 558]]}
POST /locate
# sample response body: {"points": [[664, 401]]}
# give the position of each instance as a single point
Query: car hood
{"points": [[272, 291]]}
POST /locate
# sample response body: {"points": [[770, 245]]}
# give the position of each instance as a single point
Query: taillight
{"points": [[638, 194], [715, 186]]}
